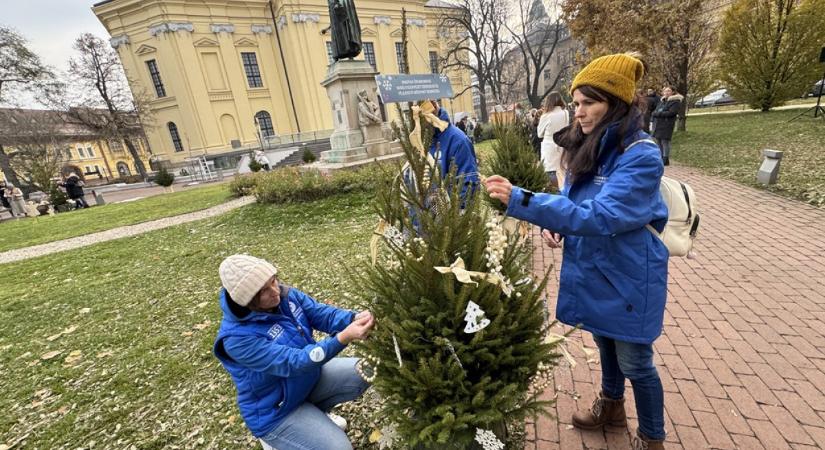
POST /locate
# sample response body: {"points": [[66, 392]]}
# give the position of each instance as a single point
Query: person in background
{"points": [[462, 125], [286, 381], [665, 119], [74, 190], [613, 280], [652, 103], [554, 119], [14, 196]]}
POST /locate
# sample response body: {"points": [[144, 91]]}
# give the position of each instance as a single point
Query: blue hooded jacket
{"points": [[272, 358], [613, 279], [453, 146]]}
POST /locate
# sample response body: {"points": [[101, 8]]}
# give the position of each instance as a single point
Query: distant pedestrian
{"points": [[462, 124], [14, 196], [665, 118], [471, 129], [3, 198], [652, 103], [554, 119], [74, 190]]}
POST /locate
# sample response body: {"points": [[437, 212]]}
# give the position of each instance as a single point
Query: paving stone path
{"points": [[742, 356], [120, 232]]}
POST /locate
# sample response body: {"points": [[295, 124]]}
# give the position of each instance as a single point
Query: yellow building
{"points": [[103, 160], [219, 73], [76, 147]]}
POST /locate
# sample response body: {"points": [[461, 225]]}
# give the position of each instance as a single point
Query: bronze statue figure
{"points": [[346, 30]]}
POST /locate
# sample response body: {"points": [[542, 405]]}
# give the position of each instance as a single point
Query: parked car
{"points": [[817, 89], [715, 98]]}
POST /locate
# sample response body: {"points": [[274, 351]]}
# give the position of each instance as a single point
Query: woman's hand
{"points": [[358, 330], [362, 315], [499, 188], [553, 240]]}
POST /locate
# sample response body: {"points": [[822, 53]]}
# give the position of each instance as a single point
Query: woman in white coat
{"points": [[554, 119]]}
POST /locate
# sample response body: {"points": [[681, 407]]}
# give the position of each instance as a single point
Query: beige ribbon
{"points": [[467, 276]]}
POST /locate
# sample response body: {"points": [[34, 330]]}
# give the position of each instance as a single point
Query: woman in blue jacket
{"points": [[613, 280], [285, 380]]}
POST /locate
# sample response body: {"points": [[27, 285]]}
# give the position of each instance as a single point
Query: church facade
{"points": [[221, 77]]}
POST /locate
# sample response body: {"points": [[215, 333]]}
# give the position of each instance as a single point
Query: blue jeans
{"points": [[308, 427], [622, 360]]}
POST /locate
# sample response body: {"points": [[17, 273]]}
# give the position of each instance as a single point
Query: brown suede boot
{"points": [[605, 412], [642, 442]]}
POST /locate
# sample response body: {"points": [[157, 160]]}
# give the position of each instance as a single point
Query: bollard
{"points": [[769, 171], [99, 199]]}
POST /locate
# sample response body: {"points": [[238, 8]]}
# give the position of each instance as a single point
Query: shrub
{"points": [[254, 166], [289, 184], [308, 156], [164, 178], [243, 185]]}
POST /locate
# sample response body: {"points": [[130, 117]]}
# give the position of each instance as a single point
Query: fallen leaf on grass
{"points": [[50, 355], [69, 330], [85, 310], [201, 326], [202, 304], [73, 357], [104, 354]]}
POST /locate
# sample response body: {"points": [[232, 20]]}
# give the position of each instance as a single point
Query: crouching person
{"points": [[286, 381]]}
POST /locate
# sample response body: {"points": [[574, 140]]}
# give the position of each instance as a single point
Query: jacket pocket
{"points": [[621, 304]]}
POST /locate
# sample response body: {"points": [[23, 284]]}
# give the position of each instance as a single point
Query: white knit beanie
{"points": [[243, 276]]}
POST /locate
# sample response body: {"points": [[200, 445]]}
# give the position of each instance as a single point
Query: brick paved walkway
{"points": [[742, 356]]}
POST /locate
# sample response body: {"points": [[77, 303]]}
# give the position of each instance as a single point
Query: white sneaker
{"points": [[339, 421]]}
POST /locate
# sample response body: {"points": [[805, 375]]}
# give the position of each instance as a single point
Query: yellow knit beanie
{"points": [[616, 74]]}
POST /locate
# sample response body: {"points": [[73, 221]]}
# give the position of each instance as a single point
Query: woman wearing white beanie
{"points": [[286, 381]]}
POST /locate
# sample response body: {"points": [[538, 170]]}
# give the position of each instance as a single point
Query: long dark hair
{"points": [[581, 152]]}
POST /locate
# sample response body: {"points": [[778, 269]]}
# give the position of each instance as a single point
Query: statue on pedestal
{"points": [[346, 30]]}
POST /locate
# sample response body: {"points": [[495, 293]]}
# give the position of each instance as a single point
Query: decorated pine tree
{"points": [[460, 352], [514, 158]]}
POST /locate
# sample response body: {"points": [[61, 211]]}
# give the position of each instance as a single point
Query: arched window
{"points": [[173, 131], [123, 169], [264, 121]]}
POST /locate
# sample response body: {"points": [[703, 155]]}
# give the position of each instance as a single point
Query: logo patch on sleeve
{"points": [[317, 354]]}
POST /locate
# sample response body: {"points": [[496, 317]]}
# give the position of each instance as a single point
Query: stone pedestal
{"points": [[352, 143]]}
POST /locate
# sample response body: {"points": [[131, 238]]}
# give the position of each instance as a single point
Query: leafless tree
{"points": [[20, 68], [105, 103], [35, 140], [476, 42], [537, 36]]}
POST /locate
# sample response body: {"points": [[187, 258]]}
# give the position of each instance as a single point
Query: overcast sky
{"points": [[51, 26]]}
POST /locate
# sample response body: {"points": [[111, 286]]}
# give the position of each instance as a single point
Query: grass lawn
{"points": [[730, 146], [26, 232], [109, 346]]}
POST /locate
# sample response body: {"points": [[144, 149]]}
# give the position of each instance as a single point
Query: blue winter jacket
{"points": [[272, 358], [613, 278], [453, 146]]}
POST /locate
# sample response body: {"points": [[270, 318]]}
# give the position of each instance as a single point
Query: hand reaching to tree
{"points": [[359, 329]]}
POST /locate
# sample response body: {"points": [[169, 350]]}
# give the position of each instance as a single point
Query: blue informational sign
{"points": [[410, 88]]}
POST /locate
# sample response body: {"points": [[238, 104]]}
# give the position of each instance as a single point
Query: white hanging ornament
{"points": [[474, 312], [397, 351], [488, 440]]}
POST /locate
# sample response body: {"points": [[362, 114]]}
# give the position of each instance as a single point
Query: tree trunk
{"points": [[136, 157], [5, 166], [482, 105]]}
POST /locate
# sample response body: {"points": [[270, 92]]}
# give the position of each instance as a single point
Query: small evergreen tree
{"points": [[441, 384], [514, 158], [56, 196], [164, 178], [308, 156], [254, 165]]}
